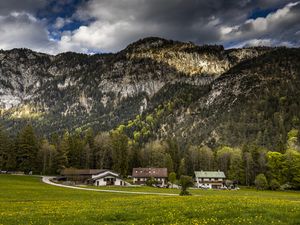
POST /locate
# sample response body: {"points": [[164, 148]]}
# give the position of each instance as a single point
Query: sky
{"points": [[101, 26]]}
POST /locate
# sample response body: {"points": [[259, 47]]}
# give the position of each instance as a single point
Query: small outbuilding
{"points": [[107, 178], [141, 175], [210, 179]]}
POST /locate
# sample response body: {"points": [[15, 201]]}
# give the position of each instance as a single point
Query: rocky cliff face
{"points": [[256, 101], [77, 91]]}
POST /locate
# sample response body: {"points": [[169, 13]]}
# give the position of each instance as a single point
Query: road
{"points": [[47, 180]]}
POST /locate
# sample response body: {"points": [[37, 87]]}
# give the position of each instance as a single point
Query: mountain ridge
{"points": [[76, 91]]}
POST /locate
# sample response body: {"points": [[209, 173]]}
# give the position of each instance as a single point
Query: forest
{"points": [[114, 150]]}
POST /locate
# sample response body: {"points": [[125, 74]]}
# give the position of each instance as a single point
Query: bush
{"points": [[182, 193], [274, 185], [185, 182], [285, 187], [261, 182], [151, 182], [172, 178]]}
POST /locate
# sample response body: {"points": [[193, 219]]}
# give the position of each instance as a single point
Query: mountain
{"points": [[157, 88]]}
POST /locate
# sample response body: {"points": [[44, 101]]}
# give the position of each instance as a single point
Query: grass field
{"points": [[26, 200]]}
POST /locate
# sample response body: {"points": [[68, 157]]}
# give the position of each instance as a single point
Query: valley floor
{"points": [[26, 200]]}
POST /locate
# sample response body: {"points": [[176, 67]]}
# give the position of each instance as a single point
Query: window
{"points": [[109, 179]]}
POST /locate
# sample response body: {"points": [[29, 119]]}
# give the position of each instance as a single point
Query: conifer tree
{"points": [[89, 151], [4, 150], [75, 151], [27, 149], [47, 155], [62, 153], [120, 152], [103, 151]]}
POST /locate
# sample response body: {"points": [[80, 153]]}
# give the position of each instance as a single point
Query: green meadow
{"points": [[26, 200]]}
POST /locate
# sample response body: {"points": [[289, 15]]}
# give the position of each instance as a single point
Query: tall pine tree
{"points": [[7, 156], [27, 150], [120, 152], [62, 153]]}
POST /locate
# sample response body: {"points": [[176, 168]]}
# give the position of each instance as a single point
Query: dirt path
{"points": [[48, 181]]}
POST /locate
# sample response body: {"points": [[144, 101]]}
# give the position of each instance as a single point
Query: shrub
{"points": [[172, 178], [261, 182], [151, 182], [285, 187], [184, 193], [274, 184], [185, 182]]}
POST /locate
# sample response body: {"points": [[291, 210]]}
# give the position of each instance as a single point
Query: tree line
{"points": [[114, 150]]}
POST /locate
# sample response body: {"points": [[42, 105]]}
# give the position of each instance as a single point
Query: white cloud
{"points": [[273, 24], [115, 25], [61, 22], [23, 30], [274, 19], [20, 29], [262, 42], [103, 36]]}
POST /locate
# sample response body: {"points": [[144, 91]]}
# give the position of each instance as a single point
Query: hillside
{"points": [[157, 88]]}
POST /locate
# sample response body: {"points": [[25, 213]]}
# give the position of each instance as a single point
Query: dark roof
{"points": [[74, 172], [209, 174], [150, 172]]}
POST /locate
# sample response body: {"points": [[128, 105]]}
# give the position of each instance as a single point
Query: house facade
{"points": [[107, 178], [210, 179], [141, 175]]}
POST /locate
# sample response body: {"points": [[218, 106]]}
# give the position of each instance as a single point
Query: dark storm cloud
{"points": [[30, 6], [186, 20], [214, 21], [109, 25]]}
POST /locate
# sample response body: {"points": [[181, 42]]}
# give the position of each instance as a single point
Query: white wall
{"points": [[100, 182], [118, 182], [212, 179], [103, 183], [163, 180], [206, 183]]}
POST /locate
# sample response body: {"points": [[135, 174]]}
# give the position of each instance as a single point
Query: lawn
{"points": [[26, 200]]}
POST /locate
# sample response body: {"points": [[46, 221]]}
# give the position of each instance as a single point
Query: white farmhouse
{"points": [[210, 179], [106, 178]]}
